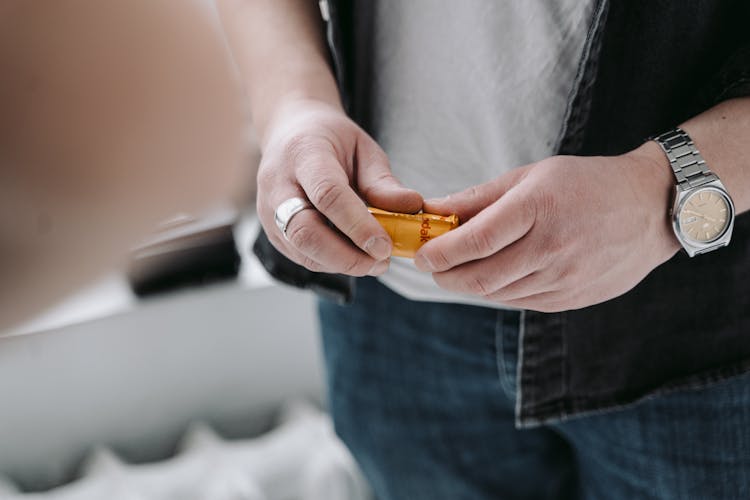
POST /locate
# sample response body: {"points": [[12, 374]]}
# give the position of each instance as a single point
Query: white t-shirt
{"points": [[462, 92]]}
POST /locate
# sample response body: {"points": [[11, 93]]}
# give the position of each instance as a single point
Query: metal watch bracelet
{"points": [[688, 165]]}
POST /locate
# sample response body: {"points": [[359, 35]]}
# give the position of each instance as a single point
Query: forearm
{"points": [[722, 134], [279, 47]]}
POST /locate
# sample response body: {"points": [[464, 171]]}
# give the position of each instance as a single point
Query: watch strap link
{"points": [[688, 165]]}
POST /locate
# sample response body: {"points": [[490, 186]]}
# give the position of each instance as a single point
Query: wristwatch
{"points": [[702, 213]]}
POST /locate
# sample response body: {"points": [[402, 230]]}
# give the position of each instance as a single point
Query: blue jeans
{"points": [[424, 396]]}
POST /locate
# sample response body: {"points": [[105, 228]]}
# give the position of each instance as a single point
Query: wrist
{"points": [[654, 185], [268, 103], [293, 110], [703, 212]]}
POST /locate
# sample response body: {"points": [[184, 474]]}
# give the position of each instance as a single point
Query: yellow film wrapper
{"points": [[410, 231]]}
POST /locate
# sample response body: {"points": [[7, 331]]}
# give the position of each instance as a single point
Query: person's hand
{"points": [[563, 233], [315, 152]]}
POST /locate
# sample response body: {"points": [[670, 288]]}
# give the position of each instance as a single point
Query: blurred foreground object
{"points": [[186, 251], [116, 115]]}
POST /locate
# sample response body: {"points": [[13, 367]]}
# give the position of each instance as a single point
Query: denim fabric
{"points": [[424, 395]]}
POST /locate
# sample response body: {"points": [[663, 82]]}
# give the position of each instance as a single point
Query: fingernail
{"points": [[378, 248], [423, 263], [379, 268]]}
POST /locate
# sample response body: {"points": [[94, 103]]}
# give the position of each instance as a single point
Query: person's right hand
{"points": [[312, 150]]}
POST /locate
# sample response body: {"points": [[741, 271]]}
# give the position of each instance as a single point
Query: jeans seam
{"points": [[563, 411], [519, 368], [502, 370]]}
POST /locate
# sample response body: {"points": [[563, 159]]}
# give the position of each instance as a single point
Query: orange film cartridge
{"points": [[410, 231]]}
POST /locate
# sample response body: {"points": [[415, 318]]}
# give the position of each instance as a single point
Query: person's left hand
{"points": [[564, 233]]}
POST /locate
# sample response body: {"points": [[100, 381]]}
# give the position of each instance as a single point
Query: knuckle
{"points": [[282, 246], [357, 229], [474, 193], [507, 293], [304, 238], [311, 265], [266, 176], [300, 146], [356, 267], [478, 285], [277, 243], [479, 242], [448, 281], [439, 258], [517, 303], [543, 205], [383, 178], [326, 194]]}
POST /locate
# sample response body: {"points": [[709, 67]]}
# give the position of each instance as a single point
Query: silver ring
{"points": [[288, 209]]}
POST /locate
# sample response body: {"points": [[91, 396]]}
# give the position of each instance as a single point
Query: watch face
{"points": [[705, 215]]}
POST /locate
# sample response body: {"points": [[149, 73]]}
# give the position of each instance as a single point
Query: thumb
{"points": [[469, 202], [377, 185]]}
